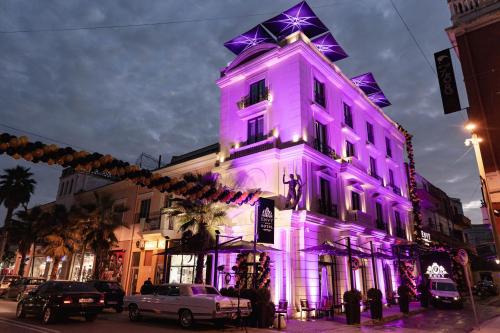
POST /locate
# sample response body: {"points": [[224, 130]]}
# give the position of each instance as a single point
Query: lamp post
{"points": [[474, 140]]}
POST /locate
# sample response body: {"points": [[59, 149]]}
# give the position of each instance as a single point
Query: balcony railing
{"points": [[360, 217], [150, 223], [253, 99], [325, 149], [328, 209]]}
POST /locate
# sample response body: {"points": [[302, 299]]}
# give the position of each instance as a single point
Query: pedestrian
{"points": [[147, 287]]}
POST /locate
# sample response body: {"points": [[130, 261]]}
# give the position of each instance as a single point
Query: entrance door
{"points": [[388, 279]]}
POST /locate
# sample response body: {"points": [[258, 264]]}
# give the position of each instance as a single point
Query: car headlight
{"points": [[436, 296], [455, 298], [217, 306]]}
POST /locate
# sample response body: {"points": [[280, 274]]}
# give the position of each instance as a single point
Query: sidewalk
{"points": [[339, 321], [489, 326]]}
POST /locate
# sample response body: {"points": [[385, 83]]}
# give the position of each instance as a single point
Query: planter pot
{"points": [[376, 309], [404, 305], [353, 313]]}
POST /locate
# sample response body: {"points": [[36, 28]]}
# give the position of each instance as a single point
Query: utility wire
{"points": [[413, 37]]}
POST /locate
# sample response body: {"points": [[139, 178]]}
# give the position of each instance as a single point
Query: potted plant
{"points": [[424, 294], [352, 309], [265, 309], [375, 299], [404, 299]]}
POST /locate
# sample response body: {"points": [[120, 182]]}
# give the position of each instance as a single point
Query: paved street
{"points": [[442, 321]]}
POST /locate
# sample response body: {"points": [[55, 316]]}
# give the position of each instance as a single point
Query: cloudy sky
{"points": [[151, 89]]}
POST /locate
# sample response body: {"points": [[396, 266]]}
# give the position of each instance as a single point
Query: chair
{"points": [[304, 306], [282, 311], [326, 306]]}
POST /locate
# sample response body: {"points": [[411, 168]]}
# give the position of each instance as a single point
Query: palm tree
{"points": [[200, 219], [26, 232], [16, 188], [98, 223], [61, 235]]}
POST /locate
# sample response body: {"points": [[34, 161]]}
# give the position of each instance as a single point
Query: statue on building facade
{"points": [[294, 190]]}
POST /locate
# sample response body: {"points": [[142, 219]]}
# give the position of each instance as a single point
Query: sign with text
{"points": [[447, 83], [264, 218], [436, 264]]}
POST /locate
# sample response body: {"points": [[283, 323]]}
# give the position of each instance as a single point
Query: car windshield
{"points": [[74, 286], [202, 290], [444, 286]]}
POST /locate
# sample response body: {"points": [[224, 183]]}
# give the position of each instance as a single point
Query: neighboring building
{"points": [[286, 109], [481, 236], [442, 216], [475, 36]]}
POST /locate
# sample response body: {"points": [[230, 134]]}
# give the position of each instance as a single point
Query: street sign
{"points": [[447, 83]]}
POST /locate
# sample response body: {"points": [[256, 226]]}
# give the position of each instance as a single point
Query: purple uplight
{"points": [[252, 37], [367, 83], [327, 45], [298, 18], [379, 99]]}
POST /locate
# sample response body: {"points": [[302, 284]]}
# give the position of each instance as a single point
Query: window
{"points": [[325, 203], [369, 133], [136, 258], [348, 115], [349, 149], [168, 204], [144, 209], [258, 91], [148, 258], [174, 291], [319, 93], [356, 201], [255, 129], [391, 178], [373, 167], [380, 216], [320, 141], [388, 147]]}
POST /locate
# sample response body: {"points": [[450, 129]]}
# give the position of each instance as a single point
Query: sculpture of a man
{"points": [[292, 198]]}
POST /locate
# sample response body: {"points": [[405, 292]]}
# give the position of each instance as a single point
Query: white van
{"points": [[444, 292]]}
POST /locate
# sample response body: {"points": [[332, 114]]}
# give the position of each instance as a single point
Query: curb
{"points": [[393, 317]]}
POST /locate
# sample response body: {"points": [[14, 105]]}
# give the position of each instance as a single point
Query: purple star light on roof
{"points": [[298, 18], [379, 99], [252, 37], [367, 83], [327, 45]]}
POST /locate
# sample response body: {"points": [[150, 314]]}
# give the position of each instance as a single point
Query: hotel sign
{"points": [[426, 237], [264, 218], [436, 271], [435, 264], [447, 83]]}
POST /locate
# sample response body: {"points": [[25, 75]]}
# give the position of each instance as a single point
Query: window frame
{"points": [[259, 131], [370, 136], [356, 206], [348, 119], [319, 92], [350, 152], [388, 147]]}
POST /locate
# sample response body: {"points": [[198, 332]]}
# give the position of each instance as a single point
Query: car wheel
{"points": [[186, 318], [134, 313], [47, 315], [20, 312], [90, 317]]}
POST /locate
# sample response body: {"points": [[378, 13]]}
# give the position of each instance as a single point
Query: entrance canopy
{"points": [[243, 246]]}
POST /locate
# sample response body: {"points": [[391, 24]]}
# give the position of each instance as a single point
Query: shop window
{"points": [[255, 129], [355, 201], [148, 258]]}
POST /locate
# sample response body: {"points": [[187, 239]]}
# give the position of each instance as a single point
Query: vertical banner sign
{"points": [[447, 83], [265, 221]]}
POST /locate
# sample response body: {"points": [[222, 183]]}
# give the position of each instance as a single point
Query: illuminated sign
{"points": [[426, 237], [436, 271]]}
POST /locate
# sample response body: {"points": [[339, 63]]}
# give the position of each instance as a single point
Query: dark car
{"points": [[22, 286], [56, 299], [113, 293]]}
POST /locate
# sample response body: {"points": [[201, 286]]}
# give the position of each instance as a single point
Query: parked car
{"points": [[55, 299], [18, 288], [444, 292], [485, 288], [187, 303], [113, 293], [5, 281]]}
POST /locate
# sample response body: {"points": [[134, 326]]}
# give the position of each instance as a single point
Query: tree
{"points": [[98, 223], [61, 235], [199, 218], [16, 188], [25, 233]]}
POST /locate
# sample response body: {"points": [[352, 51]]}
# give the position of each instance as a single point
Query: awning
{"points": [[243, 246]]}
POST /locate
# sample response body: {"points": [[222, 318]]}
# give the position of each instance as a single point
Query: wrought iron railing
{"points": [[250, 99], [325, 149], [328, 209]]}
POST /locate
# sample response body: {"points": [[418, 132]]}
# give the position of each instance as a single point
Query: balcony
{"points": [[360, 217], [152, 223], [249, 100], [328, 209], [325, 149], [247, 148]]}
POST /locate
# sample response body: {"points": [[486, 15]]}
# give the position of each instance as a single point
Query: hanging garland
{"points": [[241, 271], [190, 186], [407, 275], [415, 200], [264, 277]]}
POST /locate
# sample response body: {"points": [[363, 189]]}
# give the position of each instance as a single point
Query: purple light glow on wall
{"points": [[327, 45], [298, 18], [367, 83], [379, 99], [252, 37]]}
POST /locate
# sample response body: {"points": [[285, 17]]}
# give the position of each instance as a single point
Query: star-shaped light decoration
{"points": [[367, 83], [252, 37], [327, 45], [379, 99], [298, 18]]}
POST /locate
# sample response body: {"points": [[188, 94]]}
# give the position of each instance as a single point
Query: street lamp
{"points": [[474, 140]]}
